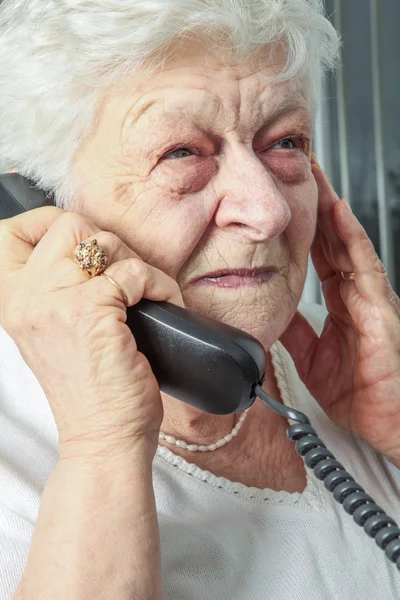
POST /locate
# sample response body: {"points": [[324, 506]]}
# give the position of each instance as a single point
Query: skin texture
{"points": [[243, 191], [237, 198], [207, 166], [353, 368]]}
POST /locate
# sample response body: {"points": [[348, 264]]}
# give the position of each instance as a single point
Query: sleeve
{"points": [[15, 537], [28, 455]]}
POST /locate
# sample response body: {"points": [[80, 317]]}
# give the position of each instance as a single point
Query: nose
{"points": [[250, 201]]}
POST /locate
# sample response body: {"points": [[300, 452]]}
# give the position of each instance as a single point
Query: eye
{"points": [[285, 144], [179, 153], [292, 142]]}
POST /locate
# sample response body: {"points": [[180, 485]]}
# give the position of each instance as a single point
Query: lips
{"points": [[238, 277]]}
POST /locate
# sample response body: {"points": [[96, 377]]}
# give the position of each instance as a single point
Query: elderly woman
{"points": [[178, 135]]}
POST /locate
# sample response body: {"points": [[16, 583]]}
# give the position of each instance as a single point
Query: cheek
{"points": [[164, 229], [303, 202], [185, 176], [289, 168], [178, 211]]}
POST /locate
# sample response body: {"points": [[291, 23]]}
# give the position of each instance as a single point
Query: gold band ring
{"points": [[347, 276], [125, 299]]}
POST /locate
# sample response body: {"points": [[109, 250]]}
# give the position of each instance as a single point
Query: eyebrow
{"points": [[288, 103]]}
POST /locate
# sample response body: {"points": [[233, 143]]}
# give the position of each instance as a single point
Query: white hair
{"points": [[59, 57]]}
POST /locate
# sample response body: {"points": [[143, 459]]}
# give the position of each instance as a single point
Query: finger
{"points": [[331, 279], [320, 257], [59, 244], [20, 234], [137, 280], [326, 262], [68, 272], [327, 199], [300, 340], [370, 274], [61, 240]]}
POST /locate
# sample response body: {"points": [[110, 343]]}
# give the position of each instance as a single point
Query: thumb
{"points": [[20, 234], [300, 340]]}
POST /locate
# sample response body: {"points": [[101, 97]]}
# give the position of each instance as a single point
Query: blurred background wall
{"points": [[357, 137]]}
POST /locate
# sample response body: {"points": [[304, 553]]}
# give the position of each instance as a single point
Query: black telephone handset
{"points": [[220, 369], [207, 364]]}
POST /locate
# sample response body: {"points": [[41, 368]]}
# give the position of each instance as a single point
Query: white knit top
{"points": [[219, 539]]}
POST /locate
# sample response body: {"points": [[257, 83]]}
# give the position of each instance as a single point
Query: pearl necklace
{"points": [[211, 447]]}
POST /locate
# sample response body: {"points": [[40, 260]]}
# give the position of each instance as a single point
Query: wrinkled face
{"points": [[204, 170]]}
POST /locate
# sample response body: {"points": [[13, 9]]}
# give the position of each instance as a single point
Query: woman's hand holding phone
{"points": [[71, 331]]}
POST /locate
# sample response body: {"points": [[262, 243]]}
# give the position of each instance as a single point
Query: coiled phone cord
{"points": [[356, 502]]}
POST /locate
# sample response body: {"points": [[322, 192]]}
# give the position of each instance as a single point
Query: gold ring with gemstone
{"points": [[90, 257]]}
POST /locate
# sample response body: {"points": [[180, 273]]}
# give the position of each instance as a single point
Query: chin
{"points": [[263, 312]]}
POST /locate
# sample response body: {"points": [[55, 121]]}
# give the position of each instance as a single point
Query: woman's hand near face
{"points": [[99, 500], [353, 368], [71, 330]]}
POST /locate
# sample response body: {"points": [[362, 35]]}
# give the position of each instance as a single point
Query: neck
{"points": [[259, 456], [194, 426]]}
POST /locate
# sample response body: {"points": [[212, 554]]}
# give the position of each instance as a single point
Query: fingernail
{"points": [[314, 159]]}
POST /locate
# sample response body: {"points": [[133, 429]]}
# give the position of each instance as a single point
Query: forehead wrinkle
{"points": [[261, 110], [288, 100], [132, 116], [210, 106]]}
